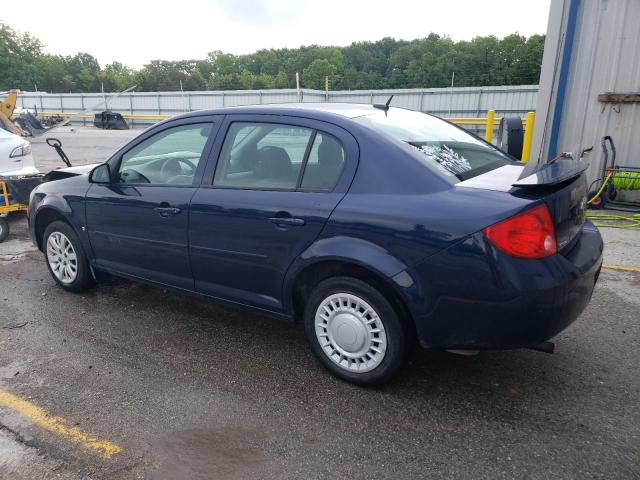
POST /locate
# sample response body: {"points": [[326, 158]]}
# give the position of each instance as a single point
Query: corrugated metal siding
{"points": [[450, 102], [605, 58], [447, 102]]}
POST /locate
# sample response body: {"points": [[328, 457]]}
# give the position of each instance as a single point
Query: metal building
{"points": [[590, 82]]}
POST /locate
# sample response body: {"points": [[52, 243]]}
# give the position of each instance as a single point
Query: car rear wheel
{"points": [[65, 257], [354, 331]]}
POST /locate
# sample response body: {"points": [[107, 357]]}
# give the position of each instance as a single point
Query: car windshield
{"points": [[445, 147]]}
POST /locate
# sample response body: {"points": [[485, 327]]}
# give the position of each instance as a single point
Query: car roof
{"points": [[346, 110]]}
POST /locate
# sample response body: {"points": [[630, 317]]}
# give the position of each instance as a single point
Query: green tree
{"points": [[164, 75], [85, 71], [117, 77], [314, 75], [18, 54], [281, 80], [52, 74], [387, 63]]}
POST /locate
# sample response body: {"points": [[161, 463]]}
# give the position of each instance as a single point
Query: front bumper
{"points": [[475, 297]]}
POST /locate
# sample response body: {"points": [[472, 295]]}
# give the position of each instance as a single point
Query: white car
{"points": [[15, 155]]}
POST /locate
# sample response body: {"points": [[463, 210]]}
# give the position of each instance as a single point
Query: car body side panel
{"points": [[9, 166], [413, 227], [128, 231], [474, 296], [127, 234], [236, 250], [69, 204], [345, 249]]}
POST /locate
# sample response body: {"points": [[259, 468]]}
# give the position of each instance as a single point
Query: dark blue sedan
{"points": [[373, 226]]}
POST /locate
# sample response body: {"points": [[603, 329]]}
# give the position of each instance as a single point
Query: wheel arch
{"points": [[45, 216], [306, 278]]}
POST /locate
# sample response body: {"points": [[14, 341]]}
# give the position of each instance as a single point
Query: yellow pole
{"points": [[488, 133], [528, 136]]}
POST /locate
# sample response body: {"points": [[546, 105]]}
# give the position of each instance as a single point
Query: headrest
{"points": [[247, 161], [274, 162], [329, 152]]}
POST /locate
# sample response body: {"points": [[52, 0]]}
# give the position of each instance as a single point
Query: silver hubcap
{"points": [[62, 257], [350, 332]]}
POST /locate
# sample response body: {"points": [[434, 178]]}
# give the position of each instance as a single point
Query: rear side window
{"points": [[325, 163], [279, 157], [262, 156], [442, 146]]}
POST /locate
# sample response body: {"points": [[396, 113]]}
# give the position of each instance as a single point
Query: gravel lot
{"points": [[192, 390]]}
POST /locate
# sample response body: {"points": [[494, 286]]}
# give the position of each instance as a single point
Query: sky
{"points": [[134, 32]]}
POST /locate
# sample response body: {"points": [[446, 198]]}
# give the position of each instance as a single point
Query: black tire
{"points": [[511, 136], [4, 229], [84, 279], [396, 335]]}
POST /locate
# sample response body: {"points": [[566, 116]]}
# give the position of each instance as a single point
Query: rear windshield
{"points": [[449, 149]]}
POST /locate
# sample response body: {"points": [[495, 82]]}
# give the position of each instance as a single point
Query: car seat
{"points": [[274, 167], [330, 160]]}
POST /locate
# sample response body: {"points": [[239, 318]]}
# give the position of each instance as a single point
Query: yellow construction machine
{"points": [[7, 108]]}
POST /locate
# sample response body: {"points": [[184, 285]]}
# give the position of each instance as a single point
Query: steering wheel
{"points": [[172, 168]]}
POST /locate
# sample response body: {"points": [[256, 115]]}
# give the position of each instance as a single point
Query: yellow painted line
{"points": [[58, 425], [621, 267]]}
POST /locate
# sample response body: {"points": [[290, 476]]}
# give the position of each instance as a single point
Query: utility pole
{"points": [[184, 103], [453, 76], [104, 98], [326, 88], [298, 87]]}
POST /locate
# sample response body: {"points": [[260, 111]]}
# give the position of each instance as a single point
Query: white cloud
{"points": [[136, 31]]}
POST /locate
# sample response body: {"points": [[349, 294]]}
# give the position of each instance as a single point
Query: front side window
{"points": [[167, 158], [444, 147]]}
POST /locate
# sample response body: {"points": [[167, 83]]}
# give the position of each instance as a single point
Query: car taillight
{"points": [[21, 151], [529, 234]]}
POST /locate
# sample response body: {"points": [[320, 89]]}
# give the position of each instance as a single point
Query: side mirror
{"points": [[101, 174]]}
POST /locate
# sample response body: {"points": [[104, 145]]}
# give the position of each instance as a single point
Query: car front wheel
{"points": [[354, 331], [65, 257]]}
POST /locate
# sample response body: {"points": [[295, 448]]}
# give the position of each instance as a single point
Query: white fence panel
{"points": [[446, 102]]}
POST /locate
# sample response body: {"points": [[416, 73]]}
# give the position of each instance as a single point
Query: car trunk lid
{"points": [[562, 186]]}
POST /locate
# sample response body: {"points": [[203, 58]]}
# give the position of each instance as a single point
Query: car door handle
{"points": [[166, 211], [287, 221]]}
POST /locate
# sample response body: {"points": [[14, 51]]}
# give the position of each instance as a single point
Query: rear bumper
{"points": [[472, 296]]}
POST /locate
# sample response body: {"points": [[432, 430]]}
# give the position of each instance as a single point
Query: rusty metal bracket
{"points": [[612, 97]]}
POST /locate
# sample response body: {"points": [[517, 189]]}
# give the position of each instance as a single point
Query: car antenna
{"points": [[383, 106]]}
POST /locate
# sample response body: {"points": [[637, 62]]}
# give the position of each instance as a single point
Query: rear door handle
{"points": [[166, 211], [287, 221]]}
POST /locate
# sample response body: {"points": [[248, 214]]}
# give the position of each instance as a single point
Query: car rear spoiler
{"points": [[551, 174]]}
